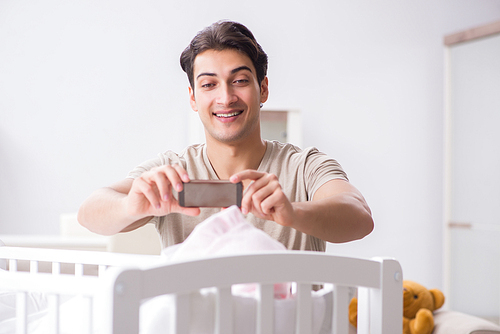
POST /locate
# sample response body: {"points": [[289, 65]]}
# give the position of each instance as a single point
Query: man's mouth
{"points": [[227, 115]]}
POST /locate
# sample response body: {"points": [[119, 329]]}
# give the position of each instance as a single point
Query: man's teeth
{"points": [[229, 115]]}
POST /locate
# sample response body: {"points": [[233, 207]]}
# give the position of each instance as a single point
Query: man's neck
{"points": [[228, 159]]}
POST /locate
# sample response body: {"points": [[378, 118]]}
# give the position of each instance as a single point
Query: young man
{"points": [[302, 198]]}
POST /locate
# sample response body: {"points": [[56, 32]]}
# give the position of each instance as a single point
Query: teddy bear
{"points": [[418, 304]]}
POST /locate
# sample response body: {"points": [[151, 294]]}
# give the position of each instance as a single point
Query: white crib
{"points": [[124, 281]]}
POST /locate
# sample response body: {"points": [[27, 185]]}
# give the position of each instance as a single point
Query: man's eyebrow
{"points": [[207, 74], [237, 69], [241, 68]]}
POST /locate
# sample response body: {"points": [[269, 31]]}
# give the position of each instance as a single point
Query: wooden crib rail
{"points": [[380, 282]]}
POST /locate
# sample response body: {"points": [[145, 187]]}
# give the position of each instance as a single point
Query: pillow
{"points": [[452, 322]]}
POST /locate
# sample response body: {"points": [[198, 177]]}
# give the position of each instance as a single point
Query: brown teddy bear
{"points": [[418, 304]]}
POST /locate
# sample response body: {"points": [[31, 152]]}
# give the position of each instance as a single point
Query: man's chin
{"points": [[227, 138]]}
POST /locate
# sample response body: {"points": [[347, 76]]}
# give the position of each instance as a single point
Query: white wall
{"points": [[89, 89]]}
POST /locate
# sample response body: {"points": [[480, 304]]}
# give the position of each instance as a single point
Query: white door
{"points": [[473, 175]]}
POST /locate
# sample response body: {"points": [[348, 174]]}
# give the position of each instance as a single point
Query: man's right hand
{"points": [[129, 204], [151, 193]]}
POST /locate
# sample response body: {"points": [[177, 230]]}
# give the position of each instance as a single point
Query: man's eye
{"points": [[241, 81], [207, 85]]}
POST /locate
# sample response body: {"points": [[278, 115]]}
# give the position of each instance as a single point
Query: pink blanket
{"points": [[228, 233]]}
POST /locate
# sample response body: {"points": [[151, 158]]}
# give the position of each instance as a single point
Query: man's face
{"points": [[227, 95]]}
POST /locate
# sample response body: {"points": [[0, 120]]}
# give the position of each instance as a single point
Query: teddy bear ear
{"points": [[438, 297]]}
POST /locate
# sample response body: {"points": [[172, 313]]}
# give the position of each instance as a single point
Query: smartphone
{"points": [[211, 193]]}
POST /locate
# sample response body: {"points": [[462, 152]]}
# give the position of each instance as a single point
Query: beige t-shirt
{"points": [[300, 173]]}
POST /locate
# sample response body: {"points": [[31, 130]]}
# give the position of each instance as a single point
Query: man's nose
{"points": [[227, 95]]}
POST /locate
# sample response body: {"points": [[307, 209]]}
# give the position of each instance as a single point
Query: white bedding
{"points": [[36, 308], [154, 315], [73, 319]]}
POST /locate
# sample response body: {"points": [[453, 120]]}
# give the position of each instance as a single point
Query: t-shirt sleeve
{"points": [[320, 169], [144, 167], [161, 160]]}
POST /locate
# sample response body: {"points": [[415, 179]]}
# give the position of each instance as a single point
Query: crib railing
{"points": [[135, 278], [85, 284], [79, 259], [379, 282], [53, 287]]}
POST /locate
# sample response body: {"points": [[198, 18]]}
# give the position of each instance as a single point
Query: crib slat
{"points": [[78, 269], [363, 310], [122, 309], [53, 307], [304, 309], [56, 268], [179, 321], [101, 269], [21, 313], [265, 309], [33, 266], [88, 324], [224, 311], [386, 303], [12, 265], [340, 323]]}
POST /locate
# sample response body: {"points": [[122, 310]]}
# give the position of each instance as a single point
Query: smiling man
{"points": [[302, 198]]}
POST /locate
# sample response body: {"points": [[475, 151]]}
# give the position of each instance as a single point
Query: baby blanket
{"points": [[228, 233]]}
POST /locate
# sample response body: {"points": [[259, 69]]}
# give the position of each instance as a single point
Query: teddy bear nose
{"points": [[408, 296]]}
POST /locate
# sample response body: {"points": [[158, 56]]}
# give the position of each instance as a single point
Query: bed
{"points": [[99, 292]]}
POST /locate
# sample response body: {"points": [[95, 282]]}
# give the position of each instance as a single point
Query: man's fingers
{"points": [[155, 187], [264, 196], [188, 211], [268, 206], [168, 176], [248, 174], [163, 186], [148, 190], [260, 197], [259, 192], [173, 177], [181, 172]]}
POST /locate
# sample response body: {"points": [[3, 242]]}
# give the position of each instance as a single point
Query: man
{"points": [[302, 198]]}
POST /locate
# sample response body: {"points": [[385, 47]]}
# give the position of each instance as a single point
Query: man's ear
{"points": [[264, 90], [192, 100]]}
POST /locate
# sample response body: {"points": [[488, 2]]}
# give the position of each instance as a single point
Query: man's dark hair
{"points": [[224, 35]]}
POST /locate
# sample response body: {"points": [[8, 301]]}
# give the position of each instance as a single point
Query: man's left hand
{"points": [[264, 198]]}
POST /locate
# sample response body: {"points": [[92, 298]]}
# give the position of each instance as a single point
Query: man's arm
{"points": [[130, 204], [104, 211], [337, 213]]}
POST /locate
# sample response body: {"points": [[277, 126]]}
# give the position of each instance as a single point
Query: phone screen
{"points": [[211, 193]]}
